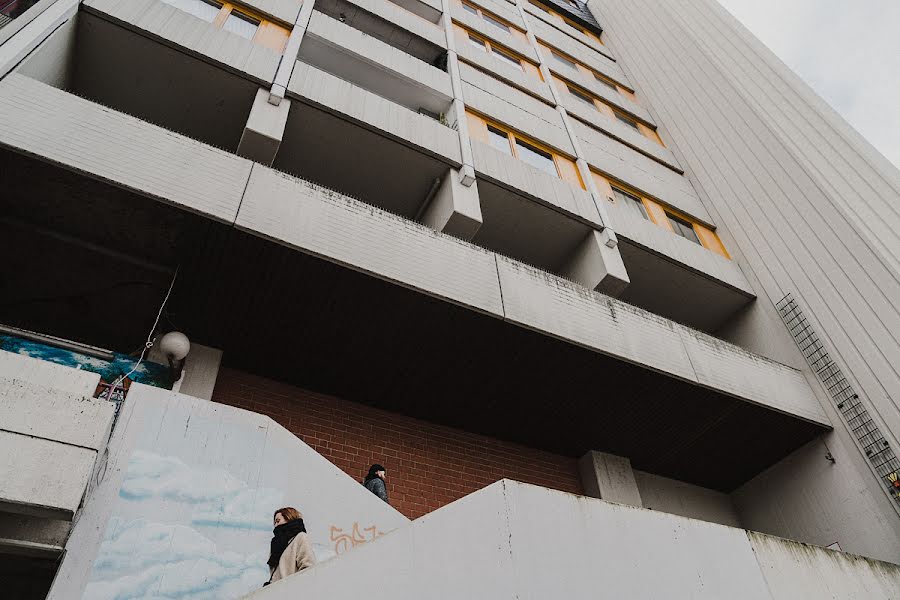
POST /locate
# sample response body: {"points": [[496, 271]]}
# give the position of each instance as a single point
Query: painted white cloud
{"points": [[846, 51], [158, 561], [216, 497]]}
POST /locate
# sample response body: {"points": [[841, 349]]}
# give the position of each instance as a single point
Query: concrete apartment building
{"points": [[613, 295]]}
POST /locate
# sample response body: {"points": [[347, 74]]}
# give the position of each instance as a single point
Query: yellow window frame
{"points": [[512, 136], [490, 45], [481, 13], [269, 33], [658, 213]]}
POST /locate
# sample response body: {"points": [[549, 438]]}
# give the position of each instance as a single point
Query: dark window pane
{"points": [[241, 24], [470, 8], [628, 121], [631, 202], [478, 43], [564, 60], [536, 157], [496, 23], [499, 140], [508, 58], [582, 96], [683, 228]]}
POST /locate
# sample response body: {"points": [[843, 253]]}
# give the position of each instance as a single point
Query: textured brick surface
{"points": [[428, 465]]}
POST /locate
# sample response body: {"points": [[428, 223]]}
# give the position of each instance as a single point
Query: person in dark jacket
{"points": [[374, 482], [291, 548]]}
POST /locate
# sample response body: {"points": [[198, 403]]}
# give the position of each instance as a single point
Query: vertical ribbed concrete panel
{"points": [[813, 209]]}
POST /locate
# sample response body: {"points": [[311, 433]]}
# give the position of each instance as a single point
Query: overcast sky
{"points": [[847, 50]]}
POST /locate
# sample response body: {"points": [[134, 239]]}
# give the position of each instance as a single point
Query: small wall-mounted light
{"points": [[175, 346]]}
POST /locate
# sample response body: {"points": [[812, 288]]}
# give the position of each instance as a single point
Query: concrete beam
{"points": [[453, 209], [609, 477], [265, 129], [597, 266]]}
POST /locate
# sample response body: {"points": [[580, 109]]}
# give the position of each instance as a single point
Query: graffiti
{"points": [[345, 541]]}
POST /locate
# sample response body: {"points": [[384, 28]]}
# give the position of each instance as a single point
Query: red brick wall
{"points": [[428, 465]]}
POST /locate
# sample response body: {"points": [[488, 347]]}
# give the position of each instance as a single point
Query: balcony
{"points": [[305, 270]]}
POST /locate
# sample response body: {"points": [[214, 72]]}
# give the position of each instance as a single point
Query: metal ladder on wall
{"points": [[872, 442]]}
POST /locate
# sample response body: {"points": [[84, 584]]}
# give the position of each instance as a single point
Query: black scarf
{"points": [[284, 533]]}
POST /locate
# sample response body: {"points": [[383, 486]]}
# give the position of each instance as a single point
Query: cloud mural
{"points": [[185, 556], [142, 559], [217, 497]]}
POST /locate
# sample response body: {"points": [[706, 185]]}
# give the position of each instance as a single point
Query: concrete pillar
{"points": [[597, 266], [454, 208], [609, 478], [201, 368], [265, 129]]}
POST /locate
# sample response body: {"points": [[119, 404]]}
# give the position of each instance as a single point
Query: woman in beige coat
{"points": [[291, 550]]}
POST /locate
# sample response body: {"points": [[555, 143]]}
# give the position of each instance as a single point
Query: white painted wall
{"points": [[512, 540], [184, 506]]}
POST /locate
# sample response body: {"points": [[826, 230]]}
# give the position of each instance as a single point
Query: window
{"points": [[507, 57], [631, 202], [582, 96], [205, 9], [569, 63], [241, 24], [499, 140], [606, 82], [628, 121], [541, 7], [478, 43], [683, 228], [469, 8], [495, 22], [536, 157]]}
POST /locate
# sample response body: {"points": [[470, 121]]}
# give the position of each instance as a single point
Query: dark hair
{"points": [[289, 513], [373, 472]]}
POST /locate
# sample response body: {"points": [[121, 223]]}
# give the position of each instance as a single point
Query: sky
{"points": [[847, 50]]}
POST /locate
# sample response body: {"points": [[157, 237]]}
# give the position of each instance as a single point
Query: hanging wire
{"points": [[149, 343]]}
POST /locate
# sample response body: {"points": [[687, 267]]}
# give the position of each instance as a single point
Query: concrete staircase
{"points": [[516, 541]]}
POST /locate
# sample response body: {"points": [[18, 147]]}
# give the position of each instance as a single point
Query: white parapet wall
{"points": [[184, 507], [51, 432], [512, 540]]}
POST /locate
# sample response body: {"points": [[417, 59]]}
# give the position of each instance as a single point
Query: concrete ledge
{"points": [[35, 410], [552, 36], [190, 33], [58, 377], [502, 70], [533, 183], [283, 10], [404, 19], [502, 8], [317, 221], [42, 478], [88, 138], [537, 14], [336, 95], [474, 78], [378, 67], [493, 33], [503, 109], [543, 302], [430, 10], [647, 175], [612, 127]]}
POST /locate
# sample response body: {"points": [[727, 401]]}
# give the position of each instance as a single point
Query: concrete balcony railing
{"points": [[549, 323], [585, 55]]}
